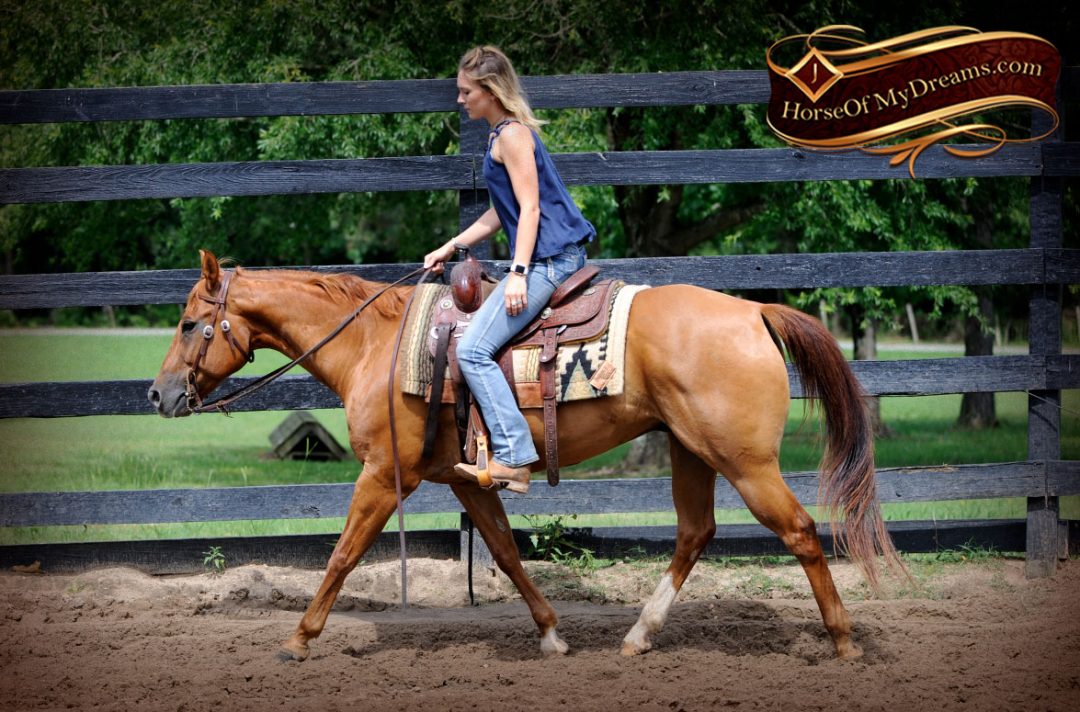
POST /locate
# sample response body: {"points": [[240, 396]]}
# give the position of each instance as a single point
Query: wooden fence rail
{"points": [[181, 556], [787, 271], [758, 165], [922, 377], [220, 101], [895, 485], [1046, 266]]}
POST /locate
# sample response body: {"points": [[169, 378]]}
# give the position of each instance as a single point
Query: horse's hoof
{"points": [[551, 644], [293, 651], [848, 651], [636, 642]]}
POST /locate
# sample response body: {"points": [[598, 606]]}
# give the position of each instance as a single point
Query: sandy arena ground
{"points": [[972, 636]]}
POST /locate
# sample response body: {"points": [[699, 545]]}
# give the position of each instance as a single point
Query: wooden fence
{"points": [[1045, 266]]}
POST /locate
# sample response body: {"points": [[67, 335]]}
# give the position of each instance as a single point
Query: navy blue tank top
{"points": [[561, 221]]}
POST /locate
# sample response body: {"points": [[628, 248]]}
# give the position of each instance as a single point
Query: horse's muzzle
{"points": [[169, 402]]}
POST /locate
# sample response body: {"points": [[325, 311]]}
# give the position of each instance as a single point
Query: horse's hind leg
{"points": [[693, 483], [485, 509], [775, 506], [371, 506]]}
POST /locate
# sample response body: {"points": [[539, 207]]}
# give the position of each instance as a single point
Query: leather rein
{"points": [[221, 405]]}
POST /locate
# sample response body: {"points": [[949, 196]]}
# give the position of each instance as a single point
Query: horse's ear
{"points": [[211, 271]]}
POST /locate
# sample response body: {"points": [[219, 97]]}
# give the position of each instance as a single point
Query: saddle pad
{"points": [[577, 363]]}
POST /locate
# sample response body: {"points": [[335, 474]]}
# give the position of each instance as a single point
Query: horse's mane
{"points": [[344, 289]]}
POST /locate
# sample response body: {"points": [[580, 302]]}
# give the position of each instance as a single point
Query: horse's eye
{"points": [[187, 327]]}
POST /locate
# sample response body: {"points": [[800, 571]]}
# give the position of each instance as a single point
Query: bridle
{"points": [[194, 400]]}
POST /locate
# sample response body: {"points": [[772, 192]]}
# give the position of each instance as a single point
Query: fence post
{"points": [[481, 554], [1044, 333], [473, 202]]}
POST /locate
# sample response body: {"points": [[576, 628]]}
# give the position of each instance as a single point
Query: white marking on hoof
{"points": [[551, 644], [636, 641], [651, 620]]}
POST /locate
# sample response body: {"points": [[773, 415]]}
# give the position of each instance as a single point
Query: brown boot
{"points": [[515, 479]]}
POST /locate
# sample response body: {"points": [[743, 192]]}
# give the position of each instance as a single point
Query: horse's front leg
{"points": [[486, 510], [374, 500]]}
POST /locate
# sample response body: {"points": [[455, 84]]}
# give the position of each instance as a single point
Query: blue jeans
{"points": [[490, 330]]}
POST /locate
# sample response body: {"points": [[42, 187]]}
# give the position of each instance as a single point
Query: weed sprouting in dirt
{"points": [[550, 541], [76, 586], [214, 560]]}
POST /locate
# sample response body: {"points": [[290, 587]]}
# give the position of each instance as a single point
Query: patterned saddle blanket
{"points": [[584, 369]]}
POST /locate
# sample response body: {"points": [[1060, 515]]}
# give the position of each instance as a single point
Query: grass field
{"points": [[139, 452]]}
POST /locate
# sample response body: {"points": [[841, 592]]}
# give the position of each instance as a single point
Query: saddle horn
{"points": [[465, 281]]}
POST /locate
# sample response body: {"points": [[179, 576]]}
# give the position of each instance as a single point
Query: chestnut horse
{"points": [[702, 365]]}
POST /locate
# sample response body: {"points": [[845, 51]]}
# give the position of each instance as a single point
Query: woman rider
{"points": [[547, 235]]}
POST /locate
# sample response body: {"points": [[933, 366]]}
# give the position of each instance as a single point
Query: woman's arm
{"points": [[484, 227], [516, 151]]}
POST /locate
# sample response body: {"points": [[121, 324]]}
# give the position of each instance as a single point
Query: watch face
{"points": [[520, 269]]}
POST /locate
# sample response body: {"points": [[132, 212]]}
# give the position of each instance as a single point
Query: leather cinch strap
{"points": [[548, 359], [438, 380]]}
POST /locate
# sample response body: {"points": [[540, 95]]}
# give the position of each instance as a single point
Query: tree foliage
{"points": [[174, 42]]}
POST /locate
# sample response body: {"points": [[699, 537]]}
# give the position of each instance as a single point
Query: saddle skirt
{"points": [[589, 355]]}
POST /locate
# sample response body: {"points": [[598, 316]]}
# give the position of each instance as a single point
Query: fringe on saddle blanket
{"points": [[577, 363]]}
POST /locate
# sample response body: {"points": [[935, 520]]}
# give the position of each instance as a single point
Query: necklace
{"points": [[494, 132]]}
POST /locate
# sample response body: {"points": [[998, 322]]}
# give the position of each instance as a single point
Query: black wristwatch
{"points": [[519, 269]]}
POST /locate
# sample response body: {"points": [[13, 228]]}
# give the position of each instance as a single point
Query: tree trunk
{"points": [[110, 315], [977, 409], [864, 340], [649, 453]]}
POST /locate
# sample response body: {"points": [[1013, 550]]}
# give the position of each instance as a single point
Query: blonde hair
{"points": [[491, 69]]}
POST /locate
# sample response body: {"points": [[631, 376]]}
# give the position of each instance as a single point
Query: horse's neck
{"points": [[291, 314]]}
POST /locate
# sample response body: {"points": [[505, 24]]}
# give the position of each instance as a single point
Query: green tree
{"points": [[106, 43], [882, 216]]}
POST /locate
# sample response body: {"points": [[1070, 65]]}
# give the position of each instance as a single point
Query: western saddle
{"points": [[578, 311]]}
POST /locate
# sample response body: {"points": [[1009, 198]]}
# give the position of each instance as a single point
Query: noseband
{"points": [[194, 400]]}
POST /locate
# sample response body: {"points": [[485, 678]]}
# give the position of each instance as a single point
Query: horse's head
{"points": [[212, 342]]}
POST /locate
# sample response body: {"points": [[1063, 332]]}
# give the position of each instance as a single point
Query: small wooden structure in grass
{"points": [[302, 437]]}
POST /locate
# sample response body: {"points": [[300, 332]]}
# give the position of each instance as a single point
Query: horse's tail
{"points": [[847, 489]]}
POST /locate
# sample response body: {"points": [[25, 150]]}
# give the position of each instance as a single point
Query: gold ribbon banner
{"points": [[854, 74]]}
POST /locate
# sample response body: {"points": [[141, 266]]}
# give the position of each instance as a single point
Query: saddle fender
{"points": [[577, 311]]}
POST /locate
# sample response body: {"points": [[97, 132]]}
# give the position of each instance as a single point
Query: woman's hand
{"points": [[516, 294], [434, 260]]}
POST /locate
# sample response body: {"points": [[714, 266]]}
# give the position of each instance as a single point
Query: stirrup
{"points": [[483, 476], [468, 471]]}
